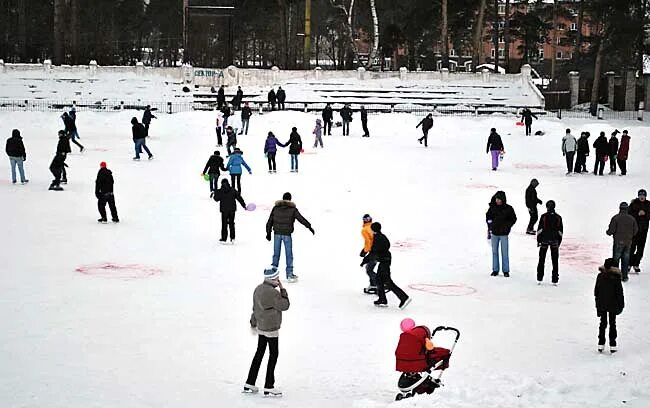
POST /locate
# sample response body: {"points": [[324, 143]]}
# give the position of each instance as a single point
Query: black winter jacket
{"points": [[104, 182], [642, 220], [613, 146], [550, 229], [346, 114], [500, 218], [294, 143], [623, 228], [609, 291], [246, 112], [138, 131], [282, 218], [494, 142], [583, 145], [64, 145], [327, 114], [58, 162], [281, 95], [15, 147], [426, 123], [271, 96], [221, 95], [527, 116], [214, 165], [380, 250], [147, 116], [364, 115], [601, 146], [531, 197], [227, 197], [231, 137]]}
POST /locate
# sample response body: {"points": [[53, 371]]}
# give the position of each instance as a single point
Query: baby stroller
{"points": [[417, 363]]}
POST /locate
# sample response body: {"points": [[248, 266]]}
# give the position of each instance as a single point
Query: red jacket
{"points": [[411, 351], [624, 148]]}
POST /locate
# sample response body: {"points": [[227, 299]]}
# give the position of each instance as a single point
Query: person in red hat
{"points": [[104, 193]]}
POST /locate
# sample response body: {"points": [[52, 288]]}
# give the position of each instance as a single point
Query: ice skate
{"points": [[637, 270], [531, 232], [539, 283], [601, 347], [27, 181], [494, 273], [370, 290], [151, 157], [102, 221], [250, 389], [136, 158], [506, 274], [292, 278], [404, 303], [272, 392], [613, 349], [379, 303], [115, 220], [555, 284]]}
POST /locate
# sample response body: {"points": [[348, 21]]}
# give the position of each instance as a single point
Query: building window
{"points": [[561, 27], [502, 53], [574, 27], [502, 25], [502, 39], [559, 40], [559, 55], [502, 9], [541, 53], [452, 52], [492, 53]]}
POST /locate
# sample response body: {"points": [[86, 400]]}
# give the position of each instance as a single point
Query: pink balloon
{"points": [[407, 325]]}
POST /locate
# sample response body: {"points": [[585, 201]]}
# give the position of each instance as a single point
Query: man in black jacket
{"points": [[640, 210], [221, 97], [63, 148], [610, 302], [613, 151], [500, 218], [71, 129], [246, 114], [380, 253], [213, 168], [281, 221], [237, 100], [281, 97], [146, 119], [427, 124], [549, 233], [346, 117], [272, 99], [104, 193], [15, 149], [602, 150], [139, 138], [328, 116], [227, 197], [364, 121], [56, 167], [527, 117], [531, 204], [582, 153]]}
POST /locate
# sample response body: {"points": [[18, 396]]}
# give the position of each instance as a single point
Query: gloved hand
{"points": [[250, 172], [268, 237], [363, 253], [312, 231]]}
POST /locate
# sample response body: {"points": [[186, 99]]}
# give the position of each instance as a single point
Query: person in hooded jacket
{"points": [[427, 124], [531, 204], [639, 209], [270, 149], [221, 97], [602, 150], [582, 153], [213, 168], [104, 193], [368, 238], [318, 134], [364, 121], [623, 151], [71, 129], [569, 147], [622, 228], [295, 148], [613, 151], [527, 117], [246, 114], [494, 147], [549, 234], [63, 148], [227, 197], [328, 116], [281, 96], [231, 140], [146, 119], [346, 117], [139, 138], [15, 149], [610, 302], [235, 162], [226, 112], [272, 98], [500, 218], [56, 168]]}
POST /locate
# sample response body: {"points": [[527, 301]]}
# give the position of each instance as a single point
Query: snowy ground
{"points": [[179, 337]]}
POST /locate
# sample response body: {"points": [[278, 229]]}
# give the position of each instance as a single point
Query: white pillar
{"points": [[47, 66], [187, 72], [2, 67], [444, 74], [485, 75], [402, 73], [274, 74], [526, 72], [574, 87], [317, 73], [361, 73], [92, 69], [139, 68]]}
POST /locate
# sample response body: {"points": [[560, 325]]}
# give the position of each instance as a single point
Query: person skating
{"points": [[623, 151], [368, 237], [226, 112], [346, 117], [71, 130], [272, 99], [270, 149], [427, 124], [318, 134], [268, 305], [281, 96], [602, 150], [569, 147], [213, 168], [622, 228], [219, 125], [15, 149], [146, 119], [500, 218], [531, 204], [227, 197], [281, 221], [610, 302], [139, 138], [295, 148], [104, 193], [221, 97], [364, 121], [613, 151], [63, 148], [235, 162], [380, 253], [231, 140], [640, 210], [527, 117], [56, 168], [246, 114], [582, 153], [328, 117], [494, 147], [74, 131], [549, 234], [235, 123], [237, 100]]}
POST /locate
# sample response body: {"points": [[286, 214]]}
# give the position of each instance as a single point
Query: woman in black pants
{"points": [[270, 149]]}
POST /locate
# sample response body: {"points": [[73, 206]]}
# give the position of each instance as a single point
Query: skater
{"points": [[527, 117], [380, 253], [235, 123], [582, 153], [104, 193], [622, 228], [231, 140], [213, 168], [569, 147], [613, 151], [610, 302], [531, 204], [268, 305], [219, 125], [500, 218], [368, 236], [237, 100], [270, 149], [295, 148], [494, 147], [549, 233], [602, 150], [15, 149], [640, 210], [139, 138], [318, 134], [280, 96], [328, 116], [227, 197], [56, 167], [364, 121], [71, 130], [146, 119], [226, 112], [623, 151], [74, 132], [235, 161], [272, 99], [246, 114], [63, 148], [346, 117], [281, 221], [427, 124], [221, 98]]}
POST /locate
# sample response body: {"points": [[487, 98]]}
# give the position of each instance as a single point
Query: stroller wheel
{"points": [[399, 397]]}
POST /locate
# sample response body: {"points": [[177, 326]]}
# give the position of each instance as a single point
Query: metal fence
{"points": [[602, 114]]}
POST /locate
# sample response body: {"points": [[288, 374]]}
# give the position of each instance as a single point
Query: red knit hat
{"points": [[102, 164]]}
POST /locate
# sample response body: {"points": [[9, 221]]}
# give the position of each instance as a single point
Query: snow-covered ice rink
{"points": [[172, 329]]}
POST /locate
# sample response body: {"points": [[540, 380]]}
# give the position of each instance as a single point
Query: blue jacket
{"points": [[235, 161], [271, 144]]}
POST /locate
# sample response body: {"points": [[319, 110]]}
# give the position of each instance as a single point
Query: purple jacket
{"points": [[271, 143]]}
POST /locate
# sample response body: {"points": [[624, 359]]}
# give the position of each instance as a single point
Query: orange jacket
{"points": [[368, 236]]}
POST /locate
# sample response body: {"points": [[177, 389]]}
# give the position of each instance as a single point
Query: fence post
{"points": [[601, 111], [169, 108], [392, 108], [305, 108], [92, 69], [574, 86], [403, 71], [476, 111], [559, 113], [47, 66], [261, 108], [640, 111], [139, 68], [121, 105]]}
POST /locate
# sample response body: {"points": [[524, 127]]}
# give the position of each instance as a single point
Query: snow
{"points": [[173, 331]]}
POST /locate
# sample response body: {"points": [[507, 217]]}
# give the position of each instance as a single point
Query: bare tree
{"points": [[444, 36], [59, 26], [506, 37], [348, 13], [554, 40], [478, 36]]}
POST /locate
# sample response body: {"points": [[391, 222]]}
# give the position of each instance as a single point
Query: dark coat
{"points": [[138, 131], [346, 114], [531, 197], [214, 165], [281, 96], [527, 116], [221, 95], [601, 146], [227, 198], [583, 145], [327, 114], [246, 112], [380, 250], [613, 146], [272, 98], [494, 143], [147, 116], [550, 229], [69, 123], [624, 148], [282, 218], [15, 147], [226, 112], [623, 228], [642, 220], [231, 137], [239, 95], [608, 291], [364, 115], [64, 145], [426, 123], [294, 143], [271, 144], [104, 182], [58, 162], [500, 218]]}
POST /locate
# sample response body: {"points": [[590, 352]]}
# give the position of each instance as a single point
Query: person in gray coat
{"points": [[268, 305], [622, 228], [569, 147]]}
